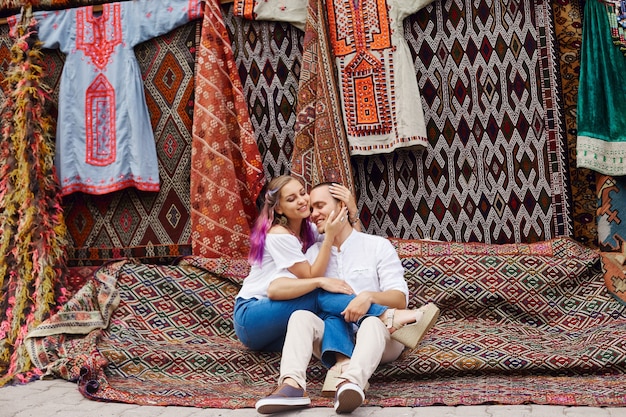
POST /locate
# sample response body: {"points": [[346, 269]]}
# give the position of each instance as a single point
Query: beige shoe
{"points": [[411, 334]]}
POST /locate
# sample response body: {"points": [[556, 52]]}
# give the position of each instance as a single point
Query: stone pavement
{"points": [[61, 398]]}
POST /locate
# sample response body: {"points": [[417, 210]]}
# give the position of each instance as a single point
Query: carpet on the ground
{"points": [[521, 323]]}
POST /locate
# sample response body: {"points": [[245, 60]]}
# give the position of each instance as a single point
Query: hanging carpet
{"points": [[612, 233], [397, 194], [567, 15], [521, 323], [268, 59], [226, 167], [497, 168], [157, 227]]}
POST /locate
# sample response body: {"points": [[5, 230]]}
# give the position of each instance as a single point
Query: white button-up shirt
{"points": [[366, 262]]}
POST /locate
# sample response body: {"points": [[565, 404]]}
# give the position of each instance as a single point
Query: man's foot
{"points": [[349, 397], [333, 378], [284, 398], [330, 383]]}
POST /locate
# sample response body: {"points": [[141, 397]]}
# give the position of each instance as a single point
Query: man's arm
{"points": [[389, 298]]}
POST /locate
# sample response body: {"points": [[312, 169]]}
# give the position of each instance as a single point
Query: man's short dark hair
{"points": [[325, 183], [329, 183]]}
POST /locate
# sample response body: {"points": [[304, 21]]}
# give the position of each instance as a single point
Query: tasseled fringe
{"points": [[32, 228]]}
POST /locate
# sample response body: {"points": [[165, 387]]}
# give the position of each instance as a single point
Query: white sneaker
{"points": [[349, 397], [284, 398]]}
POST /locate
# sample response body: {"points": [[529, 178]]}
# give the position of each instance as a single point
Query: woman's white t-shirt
{"points": [[281, 252]]}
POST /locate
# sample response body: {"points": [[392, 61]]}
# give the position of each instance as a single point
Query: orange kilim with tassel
{"points": [[32, 228]]}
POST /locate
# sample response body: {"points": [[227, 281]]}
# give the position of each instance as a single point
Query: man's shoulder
{"points": [[372, 239]]}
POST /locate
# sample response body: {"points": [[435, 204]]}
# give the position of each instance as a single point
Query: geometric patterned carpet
{"points": [[498, 92], [520, 323], [495, 170], [268, 57]]}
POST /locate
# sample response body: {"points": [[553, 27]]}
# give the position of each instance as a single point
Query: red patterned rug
{"points": [[226, 167], [520, 324]]}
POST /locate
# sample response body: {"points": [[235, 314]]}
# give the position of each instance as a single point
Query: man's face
{"points": [[322, 204]]}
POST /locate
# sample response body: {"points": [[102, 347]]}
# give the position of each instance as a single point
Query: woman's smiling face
{"points": [[294, 202]]}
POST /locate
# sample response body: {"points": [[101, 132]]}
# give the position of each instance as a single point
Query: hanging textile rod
{"points": [[98, 8], [5, 20]]}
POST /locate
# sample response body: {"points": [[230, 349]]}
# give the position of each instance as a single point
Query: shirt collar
{"points": [[348, 239]]}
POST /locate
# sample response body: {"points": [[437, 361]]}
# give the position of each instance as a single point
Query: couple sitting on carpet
{"points": [[352, 322]]}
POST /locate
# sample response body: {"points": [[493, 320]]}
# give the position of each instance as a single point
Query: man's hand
{"points": [[357, 307]]}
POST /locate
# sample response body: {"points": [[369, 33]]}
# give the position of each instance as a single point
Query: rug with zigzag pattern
{"points": [[520, 323]]}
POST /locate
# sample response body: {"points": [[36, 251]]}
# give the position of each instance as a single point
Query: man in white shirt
{"points": [[371, 267]]}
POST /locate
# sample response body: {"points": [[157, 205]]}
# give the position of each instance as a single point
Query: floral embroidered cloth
{"points": [[379, 92], [104, 136]]}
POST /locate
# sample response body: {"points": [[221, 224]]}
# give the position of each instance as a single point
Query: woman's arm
{"points": [[318, 268], [362, 302], [289, 288]]}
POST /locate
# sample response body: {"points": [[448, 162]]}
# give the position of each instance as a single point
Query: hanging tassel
{"points": [[33, 235]]}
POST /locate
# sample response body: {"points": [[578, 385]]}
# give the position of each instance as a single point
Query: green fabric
{"points": [[601, 142]]}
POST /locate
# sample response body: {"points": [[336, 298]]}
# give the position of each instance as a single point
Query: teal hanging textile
{"points": [[601, 144]]}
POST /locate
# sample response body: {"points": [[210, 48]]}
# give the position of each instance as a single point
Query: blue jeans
{"points": [[261, 324]]}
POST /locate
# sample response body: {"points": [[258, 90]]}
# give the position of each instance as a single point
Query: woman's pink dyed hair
{"points": [[268, 217]]}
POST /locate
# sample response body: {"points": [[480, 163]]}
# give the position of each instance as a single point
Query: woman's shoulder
{"points": [[278, 229], [280, 242], [281, 236]]}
